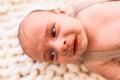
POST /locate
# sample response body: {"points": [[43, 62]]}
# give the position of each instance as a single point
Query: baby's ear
{"points": [[59, 10]]}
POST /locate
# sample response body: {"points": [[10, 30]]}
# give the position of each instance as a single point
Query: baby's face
{"points": [[56, 38]]}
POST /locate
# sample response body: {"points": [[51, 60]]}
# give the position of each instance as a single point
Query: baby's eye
{"points": [[53, 32], [52, 55]]}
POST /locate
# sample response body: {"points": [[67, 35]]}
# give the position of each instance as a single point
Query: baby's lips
{"points": [[74, 45]]}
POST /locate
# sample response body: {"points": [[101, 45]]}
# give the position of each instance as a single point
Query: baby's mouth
{"points": [[75, 45]]}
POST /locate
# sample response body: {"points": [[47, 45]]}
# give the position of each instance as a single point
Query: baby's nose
{"points": [[61, 47]]}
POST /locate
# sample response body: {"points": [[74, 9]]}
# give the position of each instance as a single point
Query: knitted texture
{"points": [[14, 64]]}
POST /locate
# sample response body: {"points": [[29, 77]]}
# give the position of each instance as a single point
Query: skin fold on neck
{"points": [[101, 55]]}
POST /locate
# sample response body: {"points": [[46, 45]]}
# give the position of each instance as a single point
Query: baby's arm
{"points": [[79, 5]]}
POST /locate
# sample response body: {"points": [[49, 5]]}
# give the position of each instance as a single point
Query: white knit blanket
{"points": [[14, 65]]}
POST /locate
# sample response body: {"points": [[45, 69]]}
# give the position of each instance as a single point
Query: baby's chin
{"points": [[69, 60], [75, 58]]}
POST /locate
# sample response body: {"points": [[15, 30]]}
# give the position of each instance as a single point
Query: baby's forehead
{"points": [[35, 16], [35, 25], [35, 13]]}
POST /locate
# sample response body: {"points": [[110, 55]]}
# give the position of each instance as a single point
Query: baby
{"points": [[93, 33]]}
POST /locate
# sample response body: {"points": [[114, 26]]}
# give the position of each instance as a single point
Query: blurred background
{"points": [[14, 64]]}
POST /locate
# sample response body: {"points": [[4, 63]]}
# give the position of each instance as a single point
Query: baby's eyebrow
{"points": [[42, 56]]}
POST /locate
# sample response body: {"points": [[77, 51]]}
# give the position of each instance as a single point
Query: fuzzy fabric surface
{"points": [[14, 64]]}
